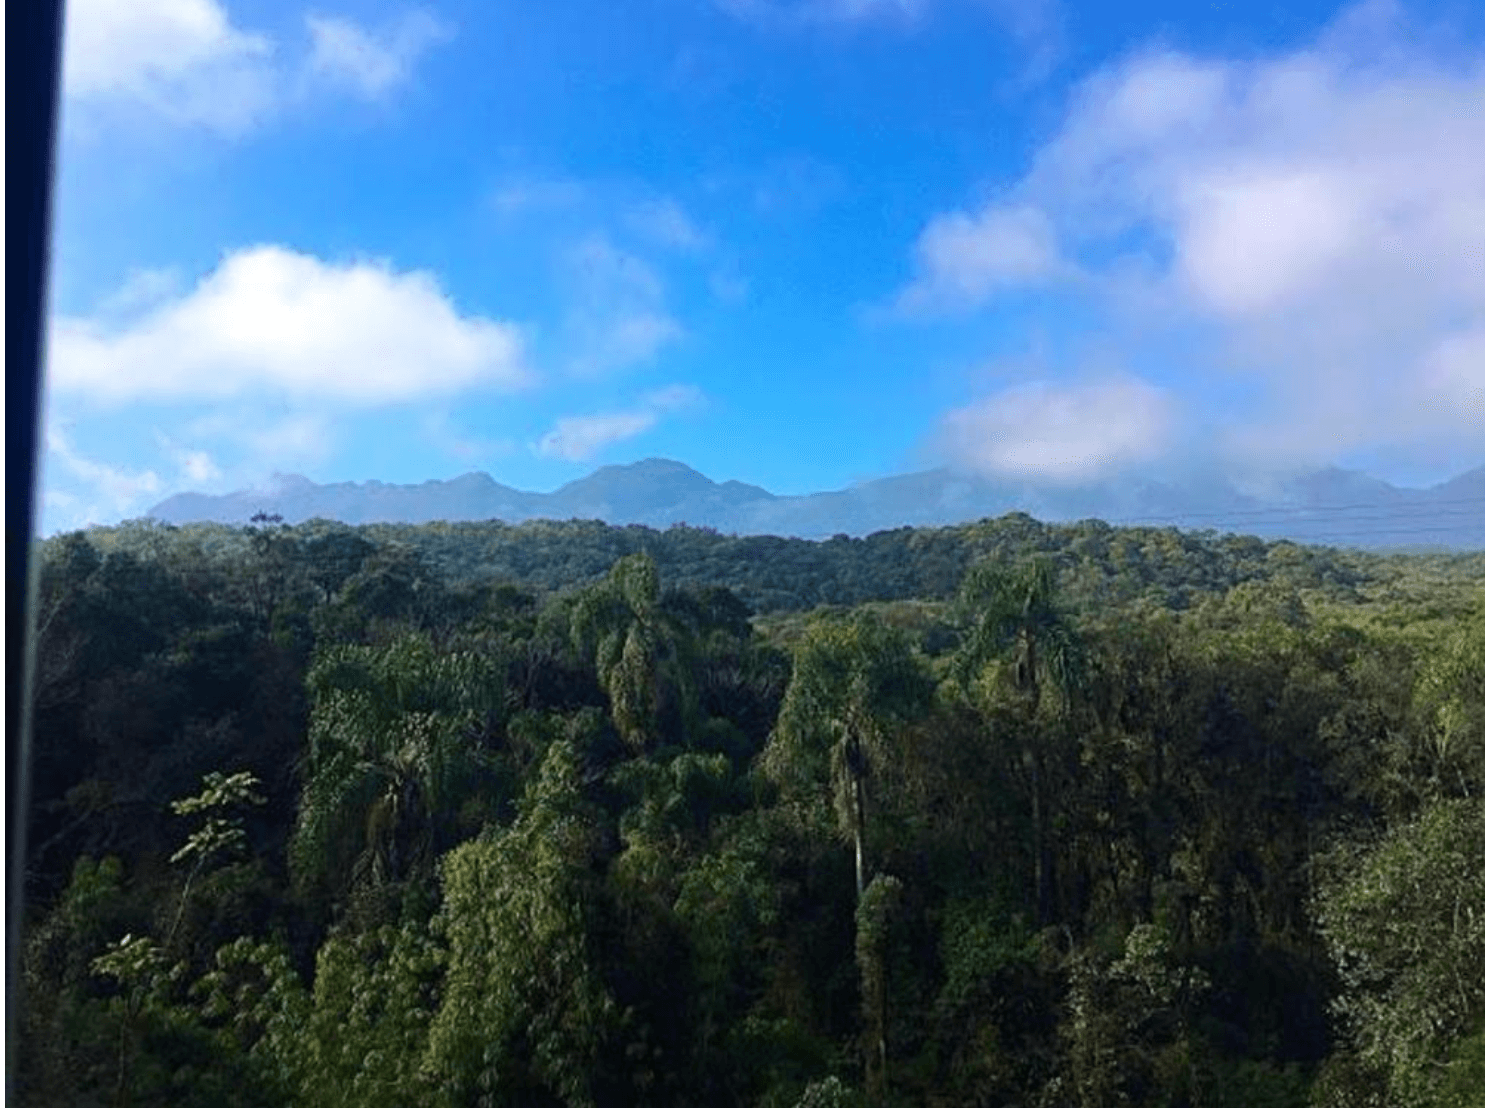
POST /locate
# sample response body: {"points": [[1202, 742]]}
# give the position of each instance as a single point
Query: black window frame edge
{"points": [[32, 87]]}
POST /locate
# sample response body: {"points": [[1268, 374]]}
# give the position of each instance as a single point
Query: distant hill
{"points": [[1333, 507]]}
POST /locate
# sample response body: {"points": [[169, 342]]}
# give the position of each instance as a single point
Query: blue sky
{"points": [[798, 244]]}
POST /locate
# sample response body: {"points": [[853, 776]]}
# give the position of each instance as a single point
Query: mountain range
{"points": [[1334, 507]]}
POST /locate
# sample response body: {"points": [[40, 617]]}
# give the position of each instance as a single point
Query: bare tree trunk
{"points": [[1040, 860], [857, 769], [859, 832]]}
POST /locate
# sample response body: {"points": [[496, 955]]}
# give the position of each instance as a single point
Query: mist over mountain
{"points": [[1331, 506]]}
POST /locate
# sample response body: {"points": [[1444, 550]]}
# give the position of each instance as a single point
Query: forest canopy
{"points": [[567, 814]]}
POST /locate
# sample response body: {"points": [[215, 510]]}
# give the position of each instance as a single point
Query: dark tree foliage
{"points": [[570, 814]]}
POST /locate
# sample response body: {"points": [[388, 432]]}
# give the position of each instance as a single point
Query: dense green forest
{"points": [[566, 814]]}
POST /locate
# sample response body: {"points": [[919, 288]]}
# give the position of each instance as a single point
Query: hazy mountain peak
{"points": [[1331, 506]]}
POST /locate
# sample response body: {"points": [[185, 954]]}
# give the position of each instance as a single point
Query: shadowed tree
{"points": [[1017, 627], [393, 751], [855, 686], [525, 1015], [640, 651]]}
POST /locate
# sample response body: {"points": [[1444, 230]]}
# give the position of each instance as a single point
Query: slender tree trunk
{"points": [[1039, 841], [1041, 857], [859, 831]]}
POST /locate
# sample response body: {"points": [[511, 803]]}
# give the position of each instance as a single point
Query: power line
{"points": [[1284, 513]]}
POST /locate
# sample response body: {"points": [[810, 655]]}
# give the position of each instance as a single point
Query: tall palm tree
{"points": [[640, 651], [855, 684], [1014, 618], [393, 751]]}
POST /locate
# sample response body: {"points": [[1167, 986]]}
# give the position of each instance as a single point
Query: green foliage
{"points": [[582, 846], [828, 1092], [876, 917], [855, 685], [1014, 615], [366, 1030], [1128, 1028], [252, 993], [1259, 1084], [220, 834], [639, 650], [524, 1013], [394, 751], [1402, 917]]}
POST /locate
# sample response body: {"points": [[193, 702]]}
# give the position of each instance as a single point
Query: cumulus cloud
{"points": [[188, 63], [618, 317], [964, 259], [180, 59], [345, 52], [1313, 218], [196, 466], [269, 319], [579, 438], [1059, 433]]}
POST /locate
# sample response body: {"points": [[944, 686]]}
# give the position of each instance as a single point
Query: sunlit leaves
{"points": [[1014, 619], [366, 1025], [1403, 920], [220, 833], [394, 750], [851, 677], [523, 1006]]}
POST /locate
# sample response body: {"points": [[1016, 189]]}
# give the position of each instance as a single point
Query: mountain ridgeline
{"points": [[1333, 507]]}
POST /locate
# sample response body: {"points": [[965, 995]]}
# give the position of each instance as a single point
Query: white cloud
{"points": [[666, 222], [674, 398], [141, 290], [963, 260], [372, 64], [269, 319], [790, 12], [109, 492], [1059, 433], [618, 317], [187, 62], [196, 466], [302, 439], [1312, 220], [181, 59], [516, 197], [579, 438]]}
